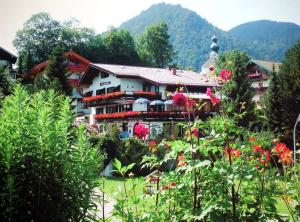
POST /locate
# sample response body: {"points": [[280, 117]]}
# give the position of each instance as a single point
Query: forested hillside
{"points": [[191, 35]]}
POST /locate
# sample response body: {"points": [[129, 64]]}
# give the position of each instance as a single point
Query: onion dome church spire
{"points": [[214, 46]]}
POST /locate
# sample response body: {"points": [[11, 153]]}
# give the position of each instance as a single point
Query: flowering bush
{"points": [[180, 99], [225, 74], [214, 100], [224, 173], [140, 131]]}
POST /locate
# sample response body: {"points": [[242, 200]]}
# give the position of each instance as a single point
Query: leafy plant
{"points": [[48, 170]]}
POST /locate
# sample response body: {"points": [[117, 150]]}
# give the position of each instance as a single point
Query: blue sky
{"points": [[100, 14]]}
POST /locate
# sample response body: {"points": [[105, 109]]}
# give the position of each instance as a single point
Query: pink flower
{"points": [[180, 99], [213, 98], [140, 131], [208, 91], [225, 74], [195, 132]]}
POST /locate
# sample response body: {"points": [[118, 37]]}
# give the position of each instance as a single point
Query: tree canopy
{"points": [[154, 46], [238, 89], [286, 87]]}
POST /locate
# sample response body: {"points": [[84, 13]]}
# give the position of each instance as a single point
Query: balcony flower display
{"points": [[103, 97], [118, 115], [144, 93]]}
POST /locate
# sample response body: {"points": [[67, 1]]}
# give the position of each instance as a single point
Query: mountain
{"points": [[191, 35], [277, 36]]}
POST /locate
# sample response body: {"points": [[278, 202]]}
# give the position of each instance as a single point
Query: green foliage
{"points": [[289, 84], [6, 82], [273, 103], [154, 46], [120, 47], [48, 170], [212, 182], [238, 101], [54, 76], [38, 36], [128, 151]]}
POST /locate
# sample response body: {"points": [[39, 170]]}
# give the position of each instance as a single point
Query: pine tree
{"points": [[289, 79], [56, 71], [273, 103], [239, 103]]}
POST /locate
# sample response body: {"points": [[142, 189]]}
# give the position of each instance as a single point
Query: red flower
{"points": [[284, 153], [214, 100], [281, 148], [152, 146], [180, 99], [211, 68], [190, 103], [265, 157], [172, 184], [140, 131], [286, 158], [233, 152], [195, 132], [257, 148], [225, 74]]}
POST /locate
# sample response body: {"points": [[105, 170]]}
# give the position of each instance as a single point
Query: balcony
{"points": [[149, 115], [108, 97]]}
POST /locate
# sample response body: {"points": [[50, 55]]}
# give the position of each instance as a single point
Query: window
{"points": [[90, 93], [111, 109], [156, 88], [104, 75], [100, 110], [127, 107], [110, 89], [3, 62], [100, 91]]}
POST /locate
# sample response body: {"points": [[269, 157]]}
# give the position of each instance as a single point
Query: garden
{"points": [[230, 167]]}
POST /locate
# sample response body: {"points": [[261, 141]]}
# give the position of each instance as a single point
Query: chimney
{"points": [[174, 71]]}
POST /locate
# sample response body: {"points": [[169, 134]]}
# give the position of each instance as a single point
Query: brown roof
{"points": [[155, 75], [40, 67], [268, 65]]}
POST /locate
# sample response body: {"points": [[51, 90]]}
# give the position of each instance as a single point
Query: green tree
{"points": [[154, 47], [38, 36], [120, 47], [273, 103], [41, 33], [55, 75], [289, 84], [6, 82], [48, 169], [238, 90]]}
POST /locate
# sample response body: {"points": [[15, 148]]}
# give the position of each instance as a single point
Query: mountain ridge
{"points": [[191, 35]]}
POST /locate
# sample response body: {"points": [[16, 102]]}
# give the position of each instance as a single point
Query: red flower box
{"points": [[144, 93], [103, 97]]}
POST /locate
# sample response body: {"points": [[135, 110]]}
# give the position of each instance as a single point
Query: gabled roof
{"points": [[267, 65], [40, 67], [7, 55], [154, 75]]}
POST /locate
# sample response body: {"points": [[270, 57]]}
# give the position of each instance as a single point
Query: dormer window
{"points": [[104, 75]]}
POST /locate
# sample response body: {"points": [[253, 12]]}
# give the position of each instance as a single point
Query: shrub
{"points": [[47, 169]]}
